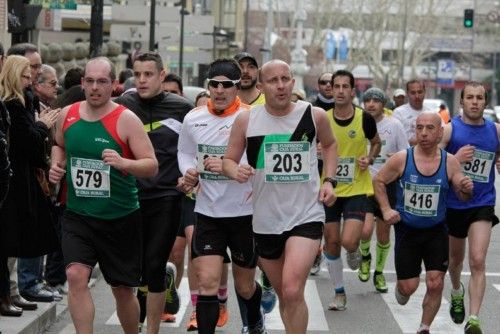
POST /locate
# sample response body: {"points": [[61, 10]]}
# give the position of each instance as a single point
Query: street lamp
{"points": [[217, 32]]}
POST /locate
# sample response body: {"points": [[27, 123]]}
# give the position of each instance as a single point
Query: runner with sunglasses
{"points": [[223, 206]]}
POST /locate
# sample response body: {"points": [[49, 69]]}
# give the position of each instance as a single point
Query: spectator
{"points": [[73, 91]]}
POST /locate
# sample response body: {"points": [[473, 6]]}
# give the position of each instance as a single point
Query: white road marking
{"points": [[185, 298], [409, 316], [317, 319]]}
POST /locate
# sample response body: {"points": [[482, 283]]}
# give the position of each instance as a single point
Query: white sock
{"points": [[335, 268]]}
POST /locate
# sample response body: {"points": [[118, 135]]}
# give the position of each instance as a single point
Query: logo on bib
{"points": [[351, 133]]}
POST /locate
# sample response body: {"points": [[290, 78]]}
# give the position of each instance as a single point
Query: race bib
{"points": [[421, 200], [287, 162], [479, 168], [205, 151], [90, 177], [345, 169]]}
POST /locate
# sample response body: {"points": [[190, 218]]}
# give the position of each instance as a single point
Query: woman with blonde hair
{"points": [[26, 226]]}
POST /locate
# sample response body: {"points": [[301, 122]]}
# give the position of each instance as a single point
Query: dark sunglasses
{"points": [[324, 82], [225, 83]]}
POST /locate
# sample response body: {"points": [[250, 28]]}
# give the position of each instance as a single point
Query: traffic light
{"points": [[468, 18]]}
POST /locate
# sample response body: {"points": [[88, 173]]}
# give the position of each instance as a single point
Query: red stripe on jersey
{"points": [[72, 116], [110, 124]]}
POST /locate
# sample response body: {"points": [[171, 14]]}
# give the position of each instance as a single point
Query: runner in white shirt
{"points": [[223, 206], [393, 139], [408, 112]]}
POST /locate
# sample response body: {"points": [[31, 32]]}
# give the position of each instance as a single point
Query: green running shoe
{"points": [[379, 282], [472, 326], [364, 268], [457, 308]]}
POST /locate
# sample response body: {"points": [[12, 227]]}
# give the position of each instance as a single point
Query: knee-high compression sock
{"points": [[243, 310], [207, 313], [382, 253], [364, 247], [194, 298], [142, 293], [266, 284], [335, 268], [254, 316]]}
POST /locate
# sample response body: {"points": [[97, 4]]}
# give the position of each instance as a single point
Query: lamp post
{"points": [[96, 23], [152, 20], [181, 38]]}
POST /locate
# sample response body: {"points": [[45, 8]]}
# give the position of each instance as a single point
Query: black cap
{"points": [[245, 55]]}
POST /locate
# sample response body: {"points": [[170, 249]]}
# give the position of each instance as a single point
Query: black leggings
{"points": [[160, 219]]}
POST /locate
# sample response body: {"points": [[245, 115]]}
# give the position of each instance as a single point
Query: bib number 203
{"points": [[85, 177], [287, 162]]}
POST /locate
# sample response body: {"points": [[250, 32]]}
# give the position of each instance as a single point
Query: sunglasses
{"points": [[324, 82], [225, 83]]}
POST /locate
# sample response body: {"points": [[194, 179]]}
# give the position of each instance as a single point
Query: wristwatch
{"points": [[332, 180]]}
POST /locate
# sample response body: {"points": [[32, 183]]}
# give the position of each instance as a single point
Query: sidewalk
{"points": [[36, 322]]}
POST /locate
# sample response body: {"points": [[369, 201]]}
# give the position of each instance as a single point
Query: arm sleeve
{"points": [[186, 155], [369, 125]]}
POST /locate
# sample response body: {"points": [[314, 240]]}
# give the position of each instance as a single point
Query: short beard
{"points": [[252, 85]]}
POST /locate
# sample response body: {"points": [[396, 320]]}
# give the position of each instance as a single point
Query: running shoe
{"points": [[473, 326], [339, 302], [172, 303], [268, 299], [244, 330], [379, 282], [316, 267], [223, 315], [424, 331], [402, 300], [364, 269], [192, 324], [353, 259], [457, 308]]}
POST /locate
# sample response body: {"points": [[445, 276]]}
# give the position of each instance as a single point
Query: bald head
{"points": [[100, 61], [271, 65], [429, 116]]}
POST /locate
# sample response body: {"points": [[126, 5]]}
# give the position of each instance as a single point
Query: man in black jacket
{"points": [[162, 114]]}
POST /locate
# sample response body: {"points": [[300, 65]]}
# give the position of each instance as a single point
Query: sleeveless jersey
{"points": [[282, 149], [94, 188], [352, 144], [203, 135], [482, 167], [421, 200]]}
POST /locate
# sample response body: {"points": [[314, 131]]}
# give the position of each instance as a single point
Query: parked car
{"points": [[491, 115]]}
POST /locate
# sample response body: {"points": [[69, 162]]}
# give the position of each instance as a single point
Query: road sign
{"points": [[445, 72]]}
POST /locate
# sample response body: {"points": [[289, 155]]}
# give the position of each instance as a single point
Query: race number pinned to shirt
{"points": [[421, 200], [479, 168], [90, 177], [345, 169], [287, 162], [206, 151]]}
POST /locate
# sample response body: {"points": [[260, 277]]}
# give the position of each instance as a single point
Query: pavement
{"points": [[36, 322]]}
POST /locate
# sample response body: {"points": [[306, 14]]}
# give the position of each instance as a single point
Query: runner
{"points": [[162, 114], [475, 142], [223, 206], [101, 147], [424, 174], [280, 141], [393, 139], [354, 129]]}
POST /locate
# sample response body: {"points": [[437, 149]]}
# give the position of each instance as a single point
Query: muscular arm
{"points": [[131, 130], [235, 149]]}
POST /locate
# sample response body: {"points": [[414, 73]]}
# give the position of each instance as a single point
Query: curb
{"points": [[36, 322]]}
